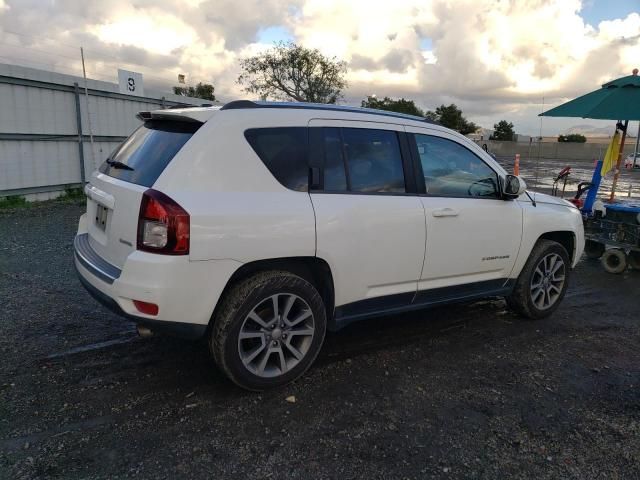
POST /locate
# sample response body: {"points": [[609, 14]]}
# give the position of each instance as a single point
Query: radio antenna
{"points": [[539, 146]]}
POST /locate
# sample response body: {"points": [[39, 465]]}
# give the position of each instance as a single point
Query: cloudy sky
{"points": [[494, 58]]}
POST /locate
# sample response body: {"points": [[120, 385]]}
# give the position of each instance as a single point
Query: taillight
{"points": [[163, 225]]}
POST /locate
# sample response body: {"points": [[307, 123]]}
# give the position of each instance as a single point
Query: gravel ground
{"points": [[467, 391]]}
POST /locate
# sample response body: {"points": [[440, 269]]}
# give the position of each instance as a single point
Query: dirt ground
{"points": [[469, 391]]}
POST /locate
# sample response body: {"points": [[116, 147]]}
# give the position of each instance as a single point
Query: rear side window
{"points": [[374, 161], [147, 152], [335, 178], [284, 151]]}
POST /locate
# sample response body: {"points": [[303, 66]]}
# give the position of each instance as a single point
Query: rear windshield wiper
{"points": [[117, 164]]}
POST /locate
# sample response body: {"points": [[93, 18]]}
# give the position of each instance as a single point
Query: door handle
{"points": [[445, 212]]}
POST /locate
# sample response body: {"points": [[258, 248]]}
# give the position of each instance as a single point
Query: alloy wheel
{"points": [[276, 335], [547, 281]]}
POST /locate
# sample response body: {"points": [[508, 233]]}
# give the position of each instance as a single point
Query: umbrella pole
{"points": [[620, 154], [635, 151]]}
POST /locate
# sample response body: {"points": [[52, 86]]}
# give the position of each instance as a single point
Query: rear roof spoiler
{"points": [[184, 114], [144, 116]]}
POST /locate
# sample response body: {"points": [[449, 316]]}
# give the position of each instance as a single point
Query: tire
{"points": [[634, 260], [593, 249], [540, 287], [258, 349], [614, 260]]}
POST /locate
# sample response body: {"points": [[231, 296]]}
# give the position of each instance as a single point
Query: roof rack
{"points": [[246, 104], [187, 105]]}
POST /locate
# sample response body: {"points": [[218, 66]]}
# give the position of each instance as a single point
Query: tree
{"points": [[572, 137], [451, 117], [391, 105], [202, 90], [292, 72], [503, 130]]}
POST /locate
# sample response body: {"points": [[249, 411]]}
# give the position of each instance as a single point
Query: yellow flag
{"points": [[611, 157]]}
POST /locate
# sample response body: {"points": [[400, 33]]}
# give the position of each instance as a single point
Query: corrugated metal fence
{"points": [[44, 127]]}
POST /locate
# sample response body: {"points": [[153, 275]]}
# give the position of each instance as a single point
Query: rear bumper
{"points": [[183, 330], [186, 292]]}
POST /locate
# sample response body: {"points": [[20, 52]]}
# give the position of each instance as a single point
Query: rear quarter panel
{"points": [[238, 210]]}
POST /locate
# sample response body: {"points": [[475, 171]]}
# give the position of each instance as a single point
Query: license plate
{"points": [[101, 217]]}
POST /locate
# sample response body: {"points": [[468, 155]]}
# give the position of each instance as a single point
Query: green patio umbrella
{"points": [[617, 100]]}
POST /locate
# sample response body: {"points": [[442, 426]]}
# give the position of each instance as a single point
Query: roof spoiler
{"points": [[165, 115]]}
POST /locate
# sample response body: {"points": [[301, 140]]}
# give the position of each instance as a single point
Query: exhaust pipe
{"points": [[144, 331]]}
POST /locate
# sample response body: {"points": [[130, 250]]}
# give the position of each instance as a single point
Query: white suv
{"points": [[261, 225]]}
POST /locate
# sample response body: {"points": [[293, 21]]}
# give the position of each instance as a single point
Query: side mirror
{"points": [[513, 187]]}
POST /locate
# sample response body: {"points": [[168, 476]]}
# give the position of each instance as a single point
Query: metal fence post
{"points": [[76, 91]]}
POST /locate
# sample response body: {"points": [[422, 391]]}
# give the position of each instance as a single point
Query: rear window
{"points": [[147, 152], [284, 151]]}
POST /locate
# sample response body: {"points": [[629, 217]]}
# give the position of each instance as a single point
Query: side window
{"points": [[284, 151], [335, 178], [451, 170], [374, 161]]}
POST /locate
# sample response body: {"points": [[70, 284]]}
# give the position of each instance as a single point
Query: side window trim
{"points": [[422, 189], [408, 169], [316, 155], [345, 159]]}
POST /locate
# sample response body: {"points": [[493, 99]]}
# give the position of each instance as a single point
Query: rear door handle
{"points": [[445, 212]]}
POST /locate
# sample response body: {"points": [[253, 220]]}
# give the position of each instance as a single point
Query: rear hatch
{"points": [[115, 191]]}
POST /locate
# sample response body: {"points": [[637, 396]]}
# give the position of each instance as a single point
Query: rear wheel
{"points": [[543, 281], [593, 249], [614, 260], [634, 260], [268, 330]]}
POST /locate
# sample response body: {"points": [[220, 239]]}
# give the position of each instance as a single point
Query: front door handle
{"points": [[445, 212]]}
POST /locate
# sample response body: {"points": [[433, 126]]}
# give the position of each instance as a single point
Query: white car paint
{"points": [[375, 245]]}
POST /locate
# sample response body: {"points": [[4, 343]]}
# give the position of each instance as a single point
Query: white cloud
{"points": [[494, 58]]}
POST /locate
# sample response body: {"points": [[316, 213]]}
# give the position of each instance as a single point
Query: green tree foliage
{"points": [[202, 90], [291, 72], [401, 106], [572, 137], [503, 130], [451, 117]]}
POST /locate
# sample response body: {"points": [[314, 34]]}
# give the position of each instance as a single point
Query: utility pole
{"points": [[86, 96]]}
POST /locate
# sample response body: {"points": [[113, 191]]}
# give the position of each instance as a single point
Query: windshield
{"points": [[147, 152]]}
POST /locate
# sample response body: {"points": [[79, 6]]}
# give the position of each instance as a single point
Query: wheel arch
{"points": [[566, 238], [313, 269]]}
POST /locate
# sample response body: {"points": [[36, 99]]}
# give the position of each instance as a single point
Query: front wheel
{"points": [[268, 330], [543, 281]]}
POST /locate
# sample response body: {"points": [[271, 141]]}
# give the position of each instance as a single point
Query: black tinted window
{"points": [[374, 160], [335, 178], [451, 170], [146, 153], [283, 150]]}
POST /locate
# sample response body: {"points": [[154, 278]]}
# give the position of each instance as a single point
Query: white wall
{"points": [[36, 104]]}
